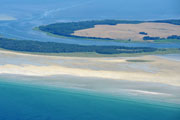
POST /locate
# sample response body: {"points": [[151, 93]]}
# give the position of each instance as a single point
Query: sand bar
{"points": [[6, 18], [159, 70]]}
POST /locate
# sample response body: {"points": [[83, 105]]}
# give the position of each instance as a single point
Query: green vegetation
{"points": [[139, 60], [167, 41], [151, 38], [75, 37], [143, 33], [94, 54], [60, 49], [172, 38], [51, 47]]}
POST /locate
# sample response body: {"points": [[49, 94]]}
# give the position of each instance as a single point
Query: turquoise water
{"points": [[28, 102]]}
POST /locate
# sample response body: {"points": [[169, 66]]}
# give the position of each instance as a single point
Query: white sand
{"points": [[161, 70]]}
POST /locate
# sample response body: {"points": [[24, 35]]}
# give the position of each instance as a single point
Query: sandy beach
{"points": [[153, 76], [156, 69]]}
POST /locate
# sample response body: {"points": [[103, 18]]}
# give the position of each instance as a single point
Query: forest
{"points": [[52, 47], [66, 29], [172, 37]]}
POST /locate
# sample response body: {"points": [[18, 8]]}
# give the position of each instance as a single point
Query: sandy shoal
{"points": [[160, 70], [6, 17]]}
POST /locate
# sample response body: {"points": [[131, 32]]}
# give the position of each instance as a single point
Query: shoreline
{"points": [[94, 54], [151, 69], [143, 76], [49, 100], [158, 99]]}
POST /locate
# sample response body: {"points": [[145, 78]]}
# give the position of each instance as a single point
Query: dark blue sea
{"points": [[31, 102]]}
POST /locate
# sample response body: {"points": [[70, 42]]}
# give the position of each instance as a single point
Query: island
{"points": [[118, 30]]}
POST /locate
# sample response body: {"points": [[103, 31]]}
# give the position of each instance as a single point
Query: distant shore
{"points": [[158, 31]]}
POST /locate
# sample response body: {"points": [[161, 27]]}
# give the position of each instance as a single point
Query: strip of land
{"points": [[149, 76], [154, 69], [52, 47]]}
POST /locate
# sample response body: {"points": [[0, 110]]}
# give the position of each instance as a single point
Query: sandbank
{"points": [[6, 18], [158, 70]]}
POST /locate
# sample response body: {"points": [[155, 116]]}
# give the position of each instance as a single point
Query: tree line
{"points": [[52, 47]]}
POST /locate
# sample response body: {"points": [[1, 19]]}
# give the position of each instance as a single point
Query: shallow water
{"points": [[27, 102], [30, 14], [175, 57]]}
